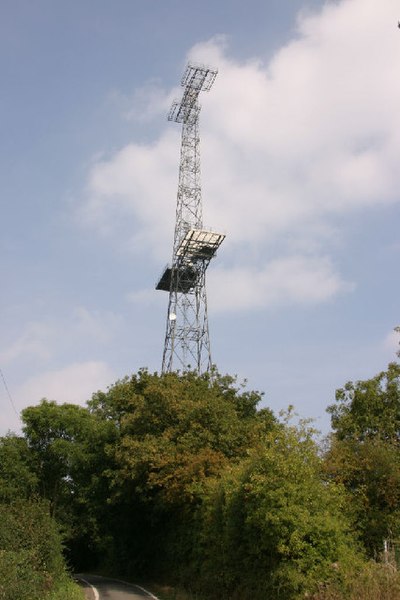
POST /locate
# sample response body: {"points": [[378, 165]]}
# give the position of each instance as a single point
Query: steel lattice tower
{"points": [[187, 342]]}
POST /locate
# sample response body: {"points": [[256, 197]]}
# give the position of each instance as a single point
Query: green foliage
{"points": [[364, 454], [63, 439], [369, 409], [181, 476], [137, 460], [66, 589], [31, 561], [67, 444], [373, 581], [370, 471], [274, 527], [17, 479], [176, 431]]}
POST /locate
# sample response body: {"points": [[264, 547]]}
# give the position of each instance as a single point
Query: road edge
{"points": [[138, 586], [86, 582], [96, 593]]}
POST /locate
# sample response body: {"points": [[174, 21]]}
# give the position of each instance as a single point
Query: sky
{"points": [[300, 145]]}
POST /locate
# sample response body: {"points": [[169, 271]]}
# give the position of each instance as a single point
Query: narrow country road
{"points": [[102, 588]]}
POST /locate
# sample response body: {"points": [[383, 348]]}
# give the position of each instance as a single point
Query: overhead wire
{"points": [[8, 393]]}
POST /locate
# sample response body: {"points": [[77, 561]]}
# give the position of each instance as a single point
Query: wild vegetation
{"points": [[31, 560], [184, 480]]}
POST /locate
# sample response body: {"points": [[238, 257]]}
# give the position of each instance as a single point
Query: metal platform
{"points": [[200, 244], [184, 279]]}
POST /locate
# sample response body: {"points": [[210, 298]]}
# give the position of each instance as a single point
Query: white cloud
{"points": [[9, 421], [149, 101], [74, 383], [40, 341], [33, 342], [282, 282], [143, 297], [96, 325], [33, 360], [136, 186], [288, 142], [391, 343]]}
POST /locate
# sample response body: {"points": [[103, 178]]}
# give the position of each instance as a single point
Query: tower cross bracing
{"points": [[187, 342]]}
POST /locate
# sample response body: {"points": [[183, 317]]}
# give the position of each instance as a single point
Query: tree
{"points": [[67, 444], [364, 454], [17, 476], [274, 526], [174, 432], [369, 409], [370, 471], [31, 561]]}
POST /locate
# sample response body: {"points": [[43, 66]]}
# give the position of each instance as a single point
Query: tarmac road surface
{"points": [[102, 588]]}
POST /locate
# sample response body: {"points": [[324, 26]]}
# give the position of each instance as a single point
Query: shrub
{"points": [[31, 561], [373, 581], [274, 527]]}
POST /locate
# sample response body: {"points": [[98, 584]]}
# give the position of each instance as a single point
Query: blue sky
{"points": [[300, 142]]}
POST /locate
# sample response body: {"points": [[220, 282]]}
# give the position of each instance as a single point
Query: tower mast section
{"points": [[187, 343]]}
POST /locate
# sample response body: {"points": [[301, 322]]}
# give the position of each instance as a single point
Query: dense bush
{"points": [[174, 433], [31, 561], [208, 491], [374, 581], [17, 475], [183, 479], [364, 455], [273, 527]]}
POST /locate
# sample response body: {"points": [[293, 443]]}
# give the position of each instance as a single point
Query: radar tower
{"points": [[187, 342]]}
